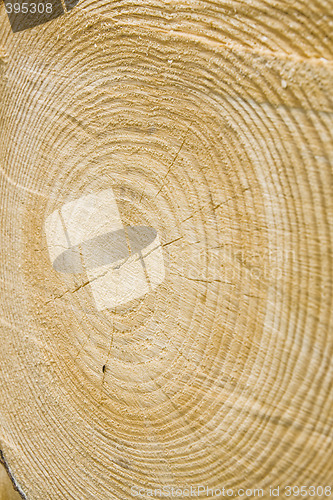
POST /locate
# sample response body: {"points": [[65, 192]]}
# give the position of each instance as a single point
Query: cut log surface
{"points": [[166, 248]]}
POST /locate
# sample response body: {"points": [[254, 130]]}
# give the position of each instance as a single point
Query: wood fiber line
{"points": [[211, 122]]}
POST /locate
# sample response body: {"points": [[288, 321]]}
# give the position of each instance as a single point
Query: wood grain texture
{"points": [[212, 123]]}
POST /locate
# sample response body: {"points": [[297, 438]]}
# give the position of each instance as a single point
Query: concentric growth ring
{"points": [[214, 138]]}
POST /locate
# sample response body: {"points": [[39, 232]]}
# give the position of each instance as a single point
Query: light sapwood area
{"points": [[207, 128]]}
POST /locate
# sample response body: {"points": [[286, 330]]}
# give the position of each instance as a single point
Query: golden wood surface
{"points": [[212, 122]]}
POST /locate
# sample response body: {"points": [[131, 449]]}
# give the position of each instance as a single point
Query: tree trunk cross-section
{"points": [[166, 248]]}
